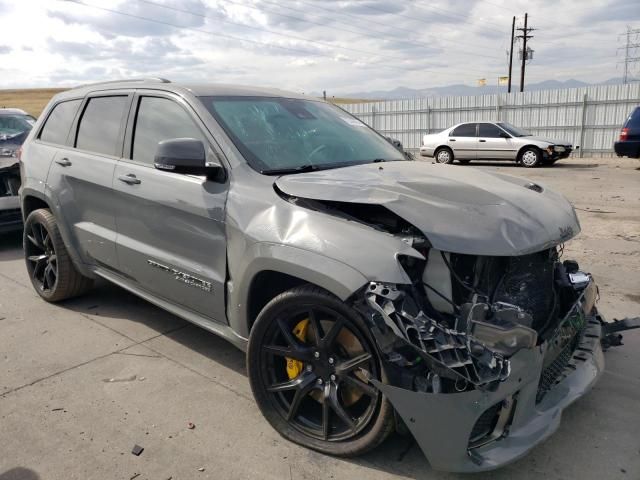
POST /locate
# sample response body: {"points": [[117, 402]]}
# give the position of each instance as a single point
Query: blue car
{"points": [[628, 145]]}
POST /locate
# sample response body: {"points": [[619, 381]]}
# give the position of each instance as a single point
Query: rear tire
{"points": [[444, 155], [52, 273], [530, 157], [308, 395]]}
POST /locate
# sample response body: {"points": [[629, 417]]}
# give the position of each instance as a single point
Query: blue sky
{"points": [[306, 45]]}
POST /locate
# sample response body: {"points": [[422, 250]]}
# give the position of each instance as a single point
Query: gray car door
{"points": [[493, 145], [171, 232], [81, 176], [463, 141]]}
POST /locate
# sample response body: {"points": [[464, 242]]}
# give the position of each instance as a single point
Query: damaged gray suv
{"points": [[370, 291]]}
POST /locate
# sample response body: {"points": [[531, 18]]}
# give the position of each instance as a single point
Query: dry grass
{"points": [[31, 100]]}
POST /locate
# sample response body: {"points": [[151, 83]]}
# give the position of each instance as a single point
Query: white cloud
{"points": [[353, 45]]}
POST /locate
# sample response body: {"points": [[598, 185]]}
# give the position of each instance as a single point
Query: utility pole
{"points": [[525, 54], [513, 31], [630, 54]]}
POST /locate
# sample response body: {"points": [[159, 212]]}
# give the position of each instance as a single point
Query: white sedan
{"points": [[492, 141]]}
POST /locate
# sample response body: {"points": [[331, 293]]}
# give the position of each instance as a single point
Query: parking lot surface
{"points": [[84, 381]]}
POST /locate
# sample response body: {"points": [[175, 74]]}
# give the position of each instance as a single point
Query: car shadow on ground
{"points": [[19, 473], [109, 304], [10, 246]]}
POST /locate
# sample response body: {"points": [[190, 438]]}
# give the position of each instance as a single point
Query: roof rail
{"points": [[127, 80]]}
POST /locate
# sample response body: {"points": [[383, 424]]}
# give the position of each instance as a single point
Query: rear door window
{"points": [[160, 119], [100, 125], [57, 125], [634, 119], [488, 130], [465, 130]]}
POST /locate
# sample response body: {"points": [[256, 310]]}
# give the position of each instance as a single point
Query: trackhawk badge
{"points": [[183, 277]]}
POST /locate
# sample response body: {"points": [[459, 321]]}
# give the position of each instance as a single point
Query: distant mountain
{"points": [[461, 90]]}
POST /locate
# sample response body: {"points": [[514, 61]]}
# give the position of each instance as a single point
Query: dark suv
{"points": [[358, 281], [15, 125], [628, 145]]}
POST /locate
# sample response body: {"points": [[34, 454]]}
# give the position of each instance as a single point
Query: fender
{"points": [[62, 226], [332, 275]]}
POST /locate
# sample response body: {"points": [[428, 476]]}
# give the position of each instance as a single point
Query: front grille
{"points": [[570, 335], [485, 424]]}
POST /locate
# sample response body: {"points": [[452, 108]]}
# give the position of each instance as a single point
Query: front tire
{"points": [[530, 157], [308, 360], [444, 155], [52, 273]]}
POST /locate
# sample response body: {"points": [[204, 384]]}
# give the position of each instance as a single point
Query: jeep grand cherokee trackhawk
{"points": [[359, 282]]}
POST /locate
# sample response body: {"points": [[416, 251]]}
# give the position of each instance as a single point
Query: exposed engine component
{"points": [[448, 353], [465, 315]]}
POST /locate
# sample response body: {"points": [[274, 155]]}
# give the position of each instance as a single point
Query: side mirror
{"points": [[184, 155], [504, 135]]}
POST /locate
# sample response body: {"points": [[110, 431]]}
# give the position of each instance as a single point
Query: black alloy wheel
{"points": [[42, 261], [309, 366], [52, 273]]}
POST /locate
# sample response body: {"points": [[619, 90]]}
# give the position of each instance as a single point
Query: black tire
{"points": [[444, 155], [464, 162], [52, 273], [530, 157], [313, 419]]}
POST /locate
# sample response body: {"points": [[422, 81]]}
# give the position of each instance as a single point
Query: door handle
{"points": [[482, 140], [65, 162], [129, 179], [452, 139]]}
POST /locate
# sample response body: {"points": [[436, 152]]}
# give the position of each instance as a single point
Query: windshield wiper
{"points": [[300, 169]]}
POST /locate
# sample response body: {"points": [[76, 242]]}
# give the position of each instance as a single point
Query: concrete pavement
{"points": [[83, 381]]}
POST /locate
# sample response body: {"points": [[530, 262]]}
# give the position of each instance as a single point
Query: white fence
{"points": [[590, 117]]}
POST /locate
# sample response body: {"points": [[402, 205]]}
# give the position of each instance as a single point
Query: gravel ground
{"points": [[82, 382]]}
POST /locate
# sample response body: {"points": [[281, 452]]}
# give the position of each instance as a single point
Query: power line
{"points": [[525, 52], [151, 2], [630, 54], [446, 13], [339, 29], [404, 39], [256, 42], [295, 37]]}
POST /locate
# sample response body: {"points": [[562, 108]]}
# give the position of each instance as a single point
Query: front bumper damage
{"points": [[10, 215], [504, 406]]}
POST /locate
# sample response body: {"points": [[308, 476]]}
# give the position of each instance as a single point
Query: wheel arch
{"points": [[525, 147], [271, 269], [31, 200]]}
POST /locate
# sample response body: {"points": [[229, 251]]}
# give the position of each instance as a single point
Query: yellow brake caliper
{"points": [[294, 367]]}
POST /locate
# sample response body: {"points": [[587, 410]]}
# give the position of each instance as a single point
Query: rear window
{"points": [[99, 129], [634, 119], [466, 130], [56, 128]]}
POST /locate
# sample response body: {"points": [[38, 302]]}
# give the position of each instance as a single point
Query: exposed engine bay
{"points": [[462, 318]]}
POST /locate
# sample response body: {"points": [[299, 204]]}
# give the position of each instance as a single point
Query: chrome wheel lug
{"points": [[333, 378], [309, 368], [331, 360], [316, 354], [319, 381]]}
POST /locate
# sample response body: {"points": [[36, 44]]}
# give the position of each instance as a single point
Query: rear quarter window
{"points": [[56, 127], [634, 119]]}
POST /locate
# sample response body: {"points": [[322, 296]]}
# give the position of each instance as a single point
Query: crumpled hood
{"points": [[461, 210]]}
